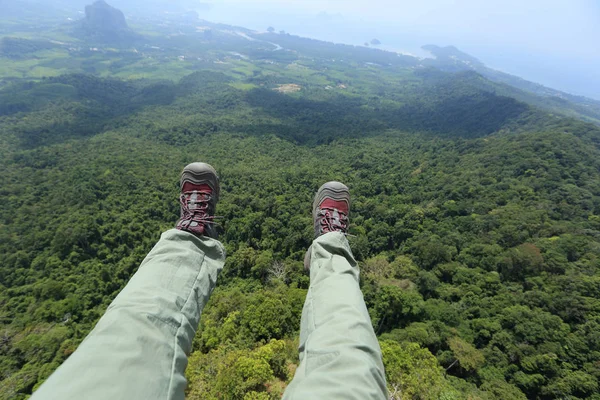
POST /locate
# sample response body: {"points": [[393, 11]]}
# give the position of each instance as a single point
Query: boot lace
{"points": [[194, 208], [333, 220]]}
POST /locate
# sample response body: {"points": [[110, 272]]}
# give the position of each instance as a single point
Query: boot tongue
{"points": [[190, 187]]}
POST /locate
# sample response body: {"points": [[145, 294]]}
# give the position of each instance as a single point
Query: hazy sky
{"points": [[553, 42]]}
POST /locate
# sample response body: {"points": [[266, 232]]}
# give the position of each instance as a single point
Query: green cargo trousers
{"points": [[139, 348]]}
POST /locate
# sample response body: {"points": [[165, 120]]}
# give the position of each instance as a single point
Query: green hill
{"points": [[451, 59]]}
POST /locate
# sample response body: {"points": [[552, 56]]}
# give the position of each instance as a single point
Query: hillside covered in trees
{"points": [[475, 217]]}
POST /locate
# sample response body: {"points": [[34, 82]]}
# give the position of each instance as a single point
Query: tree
{"points": [[278, 271], [413, 372], [270, 29], [466, 355], [375, 42]]}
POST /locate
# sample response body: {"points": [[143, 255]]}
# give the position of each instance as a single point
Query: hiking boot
{"points": [[330, 212], [331, 208], [199, 196]]}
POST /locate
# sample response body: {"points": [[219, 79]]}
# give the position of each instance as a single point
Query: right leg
{"points": [[340, 357]]}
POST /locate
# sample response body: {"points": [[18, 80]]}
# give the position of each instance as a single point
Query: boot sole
{"points": [[199, 173]]}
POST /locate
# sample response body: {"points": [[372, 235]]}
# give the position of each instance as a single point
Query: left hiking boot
{"points": [[330, 212], [199, 196]]}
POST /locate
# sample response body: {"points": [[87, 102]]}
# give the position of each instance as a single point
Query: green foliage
{"points": [[466, 354], [15, 47], [475, 217], [226, 373], [413, 372], [246, 318]]}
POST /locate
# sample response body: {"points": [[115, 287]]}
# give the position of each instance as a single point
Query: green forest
{"points": [[475, 215]]}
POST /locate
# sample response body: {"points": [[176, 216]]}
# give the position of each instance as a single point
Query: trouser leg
{"points": [[340, 357], [138, 349]]}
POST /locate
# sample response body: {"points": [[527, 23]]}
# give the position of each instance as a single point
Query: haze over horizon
{"points": [[553, 43]]}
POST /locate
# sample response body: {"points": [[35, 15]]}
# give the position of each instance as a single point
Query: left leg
{"points": [[139, 348]]}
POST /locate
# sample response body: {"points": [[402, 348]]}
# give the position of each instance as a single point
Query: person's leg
{"points": [[340, 357], [139, 348]]}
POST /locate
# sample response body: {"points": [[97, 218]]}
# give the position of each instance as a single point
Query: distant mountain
{"points": [[451, 59], [105, 23], [100, 16]]}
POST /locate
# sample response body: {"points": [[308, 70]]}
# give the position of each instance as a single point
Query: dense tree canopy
{"points": [[475, 220]]}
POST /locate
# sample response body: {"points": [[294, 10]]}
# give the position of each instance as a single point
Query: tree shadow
{"points": [[465, 116]]}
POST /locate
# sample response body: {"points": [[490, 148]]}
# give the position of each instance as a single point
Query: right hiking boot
{"points": [[199, 196], [330, 212], [331, 208]]}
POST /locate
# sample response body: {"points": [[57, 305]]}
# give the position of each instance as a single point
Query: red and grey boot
{"points": [[331, 208], [199, 196]]}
